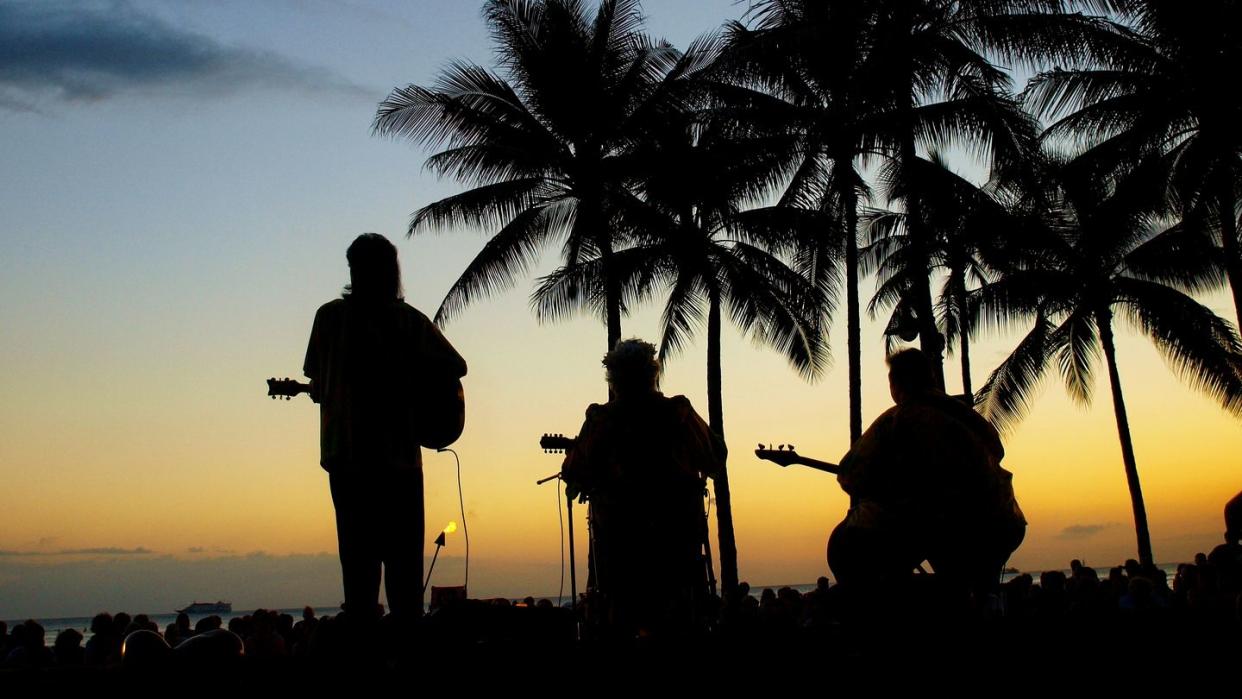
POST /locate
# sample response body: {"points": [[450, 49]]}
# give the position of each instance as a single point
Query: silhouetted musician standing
{"points": [[373, 361], [641, 459]]}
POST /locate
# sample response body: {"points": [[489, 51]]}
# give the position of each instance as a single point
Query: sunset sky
{"points": [[178, 184]]}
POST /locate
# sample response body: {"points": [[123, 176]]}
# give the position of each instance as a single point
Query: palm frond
{"points": [[484, 208], [1202, 348], [778, 307], [682, 316], [1078, 350], [1007, 394], [508, 254]]}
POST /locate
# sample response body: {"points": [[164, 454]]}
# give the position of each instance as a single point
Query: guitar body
{"points": [[965, 551], [441, 412], [863, 555]]}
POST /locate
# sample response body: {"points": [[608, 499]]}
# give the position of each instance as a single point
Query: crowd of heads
{"points": [[1207, 591], [1205, 594], [124, 639]]}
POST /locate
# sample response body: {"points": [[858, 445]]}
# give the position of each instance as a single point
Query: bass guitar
{"points": [[787, 456], [850, 554]]}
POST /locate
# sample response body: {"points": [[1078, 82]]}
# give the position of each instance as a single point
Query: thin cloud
{"points": [[1084, 531], [216, 550], [106, 551], [95, 551], [76, 53]]}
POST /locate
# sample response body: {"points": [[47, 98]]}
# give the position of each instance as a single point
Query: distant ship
{"points": [[208, 608]]}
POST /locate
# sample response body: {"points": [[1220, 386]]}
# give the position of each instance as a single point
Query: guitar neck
{"points": [[785, 457], [819, 465]]}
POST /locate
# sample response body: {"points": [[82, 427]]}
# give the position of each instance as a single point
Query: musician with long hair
{"points": [[372, 360]]}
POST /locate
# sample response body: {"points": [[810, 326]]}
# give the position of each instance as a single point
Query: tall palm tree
{"points": [[1110, 249], [541, 147], [802, 68], [693, 241], [1145, 82], [938, 88]]}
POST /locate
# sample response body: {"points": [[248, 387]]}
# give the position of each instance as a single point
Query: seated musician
{"points": [[926, 484], [641, 460]]}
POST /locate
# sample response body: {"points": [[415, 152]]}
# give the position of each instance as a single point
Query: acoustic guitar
{"points": [[440, 408]]}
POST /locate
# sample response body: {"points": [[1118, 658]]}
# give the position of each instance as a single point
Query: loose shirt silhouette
{"points": [[368, 362], [642, 461], [926, 483]]}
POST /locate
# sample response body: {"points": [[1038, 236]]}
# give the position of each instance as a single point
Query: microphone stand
{"points": [[573, 569]]}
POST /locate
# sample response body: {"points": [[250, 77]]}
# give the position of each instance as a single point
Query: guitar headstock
{"points": [[285, 388], [783, 455], [556, 443]]}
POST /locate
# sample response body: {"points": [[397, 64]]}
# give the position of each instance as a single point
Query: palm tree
{"points": [[1110, 248], [541, 147], [965, 222], [1145, 83], [802, 69], [692, 240], [939, 88], [877, 78]]}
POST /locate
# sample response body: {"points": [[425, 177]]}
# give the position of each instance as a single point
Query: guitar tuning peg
{"points": [[760, 445], [782, 447], [791, 447]]}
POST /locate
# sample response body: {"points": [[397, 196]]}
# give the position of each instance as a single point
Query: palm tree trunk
{"points": [[612, 295], [963, 329], [1226, 202], [1104, 321], [844, 176], [930, 339], [727, 544], [591, 210]]}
